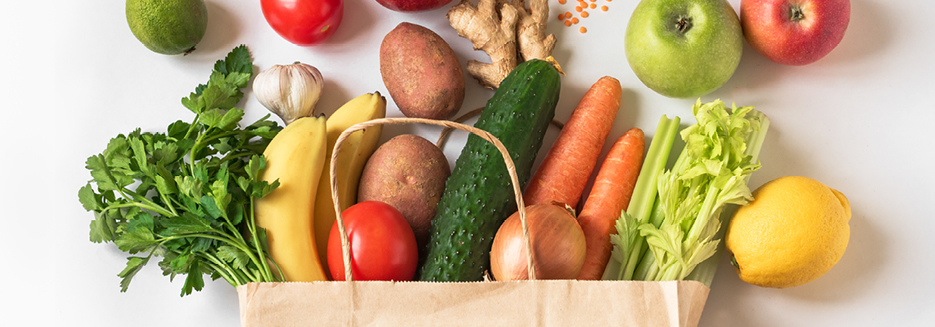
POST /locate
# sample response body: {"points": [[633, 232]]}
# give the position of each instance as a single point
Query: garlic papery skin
{"points": [[289, 91]]}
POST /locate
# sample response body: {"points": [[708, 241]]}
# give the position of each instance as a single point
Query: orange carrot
{"points": [[610, 195], [564, 173]]}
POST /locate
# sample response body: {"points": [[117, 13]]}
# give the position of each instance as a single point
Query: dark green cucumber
{"points": [[478, 195]]}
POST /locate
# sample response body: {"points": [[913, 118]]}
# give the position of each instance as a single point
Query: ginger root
{"points": [[501, 33], [490, 31], [533, 41]]}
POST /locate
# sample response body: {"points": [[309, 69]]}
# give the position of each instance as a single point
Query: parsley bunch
{"points": [[187, 195]]}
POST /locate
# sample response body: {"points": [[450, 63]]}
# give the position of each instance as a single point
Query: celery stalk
{"points": [[627, 242], [710, 173], [647, 268], [705, 271]]}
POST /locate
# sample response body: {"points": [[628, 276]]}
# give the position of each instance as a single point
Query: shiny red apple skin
{"points": [[413, 5], [770, 29]]}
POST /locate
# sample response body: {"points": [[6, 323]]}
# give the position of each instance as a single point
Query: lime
{"points": [[793, 232], [168, 26]]}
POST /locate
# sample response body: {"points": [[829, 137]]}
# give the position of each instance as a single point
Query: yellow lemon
{"points": [[793, 232]]}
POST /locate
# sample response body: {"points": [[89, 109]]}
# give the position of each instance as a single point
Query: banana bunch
{"points": [[295, 157], [299, 214], [352, 158]]}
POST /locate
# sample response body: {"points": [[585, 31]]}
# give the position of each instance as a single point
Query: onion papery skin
{"points": [[557, 241]]}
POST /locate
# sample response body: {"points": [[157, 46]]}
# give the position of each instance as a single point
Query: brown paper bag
{"points": [[521, 303], [564, 303]]}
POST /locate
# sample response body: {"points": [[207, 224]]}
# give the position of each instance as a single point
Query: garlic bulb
{"points": [[289, 91]]}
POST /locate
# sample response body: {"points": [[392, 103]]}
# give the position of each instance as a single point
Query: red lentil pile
{"points": [[582, 10]]}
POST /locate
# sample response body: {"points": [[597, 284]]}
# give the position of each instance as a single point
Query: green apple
{"points": [[683, 48]]}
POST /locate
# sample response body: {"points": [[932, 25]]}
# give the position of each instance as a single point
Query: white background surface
{"points": [[858, 120]]}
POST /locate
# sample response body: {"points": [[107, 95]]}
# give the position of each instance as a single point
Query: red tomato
{"points": [[383, 246], [303, 22]]}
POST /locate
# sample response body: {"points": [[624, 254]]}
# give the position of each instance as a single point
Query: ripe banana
{"points": [[352, 157], [296, 157]]}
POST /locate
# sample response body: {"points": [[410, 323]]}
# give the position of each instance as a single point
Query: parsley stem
{"points": [[168, 203], [250, 275], [137, 204], [251, 226], [191, 127], [220, 271], [236, 279], [225, 134], [149, 204], [234, 231], [124, 191], [194, 149], [226, 239], [239, 277], [235, 156]]}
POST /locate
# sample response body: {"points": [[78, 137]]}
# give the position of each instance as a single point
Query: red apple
{"points": [[794, 32], [413, 5]]}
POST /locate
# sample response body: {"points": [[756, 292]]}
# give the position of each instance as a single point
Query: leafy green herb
{"points": [[681, 228], [187, 195]]}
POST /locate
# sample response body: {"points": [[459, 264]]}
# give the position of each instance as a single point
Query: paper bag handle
{"points": [[511, 168]]}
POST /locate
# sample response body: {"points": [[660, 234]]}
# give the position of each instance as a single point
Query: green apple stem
{"points": [[683, 24]]}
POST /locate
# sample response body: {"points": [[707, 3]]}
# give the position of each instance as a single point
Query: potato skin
{"points": [[421, 72], [407, 172]]}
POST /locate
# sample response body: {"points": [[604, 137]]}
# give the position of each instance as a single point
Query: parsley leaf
{"points": [[134, 265], [187, 194]]}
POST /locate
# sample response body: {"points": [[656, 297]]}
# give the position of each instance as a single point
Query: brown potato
{"points": [[409, 173], [421, 72]]}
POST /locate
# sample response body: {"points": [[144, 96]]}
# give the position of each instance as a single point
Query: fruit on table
{"points": [[413, 5], [793, 232], [381, 243], [295, 158], [683, 48], [168, 26], [303, 22], [352, 156], [794, 32]]}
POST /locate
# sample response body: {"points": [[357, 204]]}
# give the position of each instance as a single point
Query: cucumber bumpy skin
{"points": [[478, 195]]}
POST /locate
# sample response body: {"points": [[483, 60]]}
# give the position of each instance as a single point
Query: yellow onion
{"points": [[557, 241]]}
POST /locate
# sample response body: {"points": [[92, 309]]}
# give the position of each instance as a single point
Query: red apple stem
{"points": [[796, 14]]}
